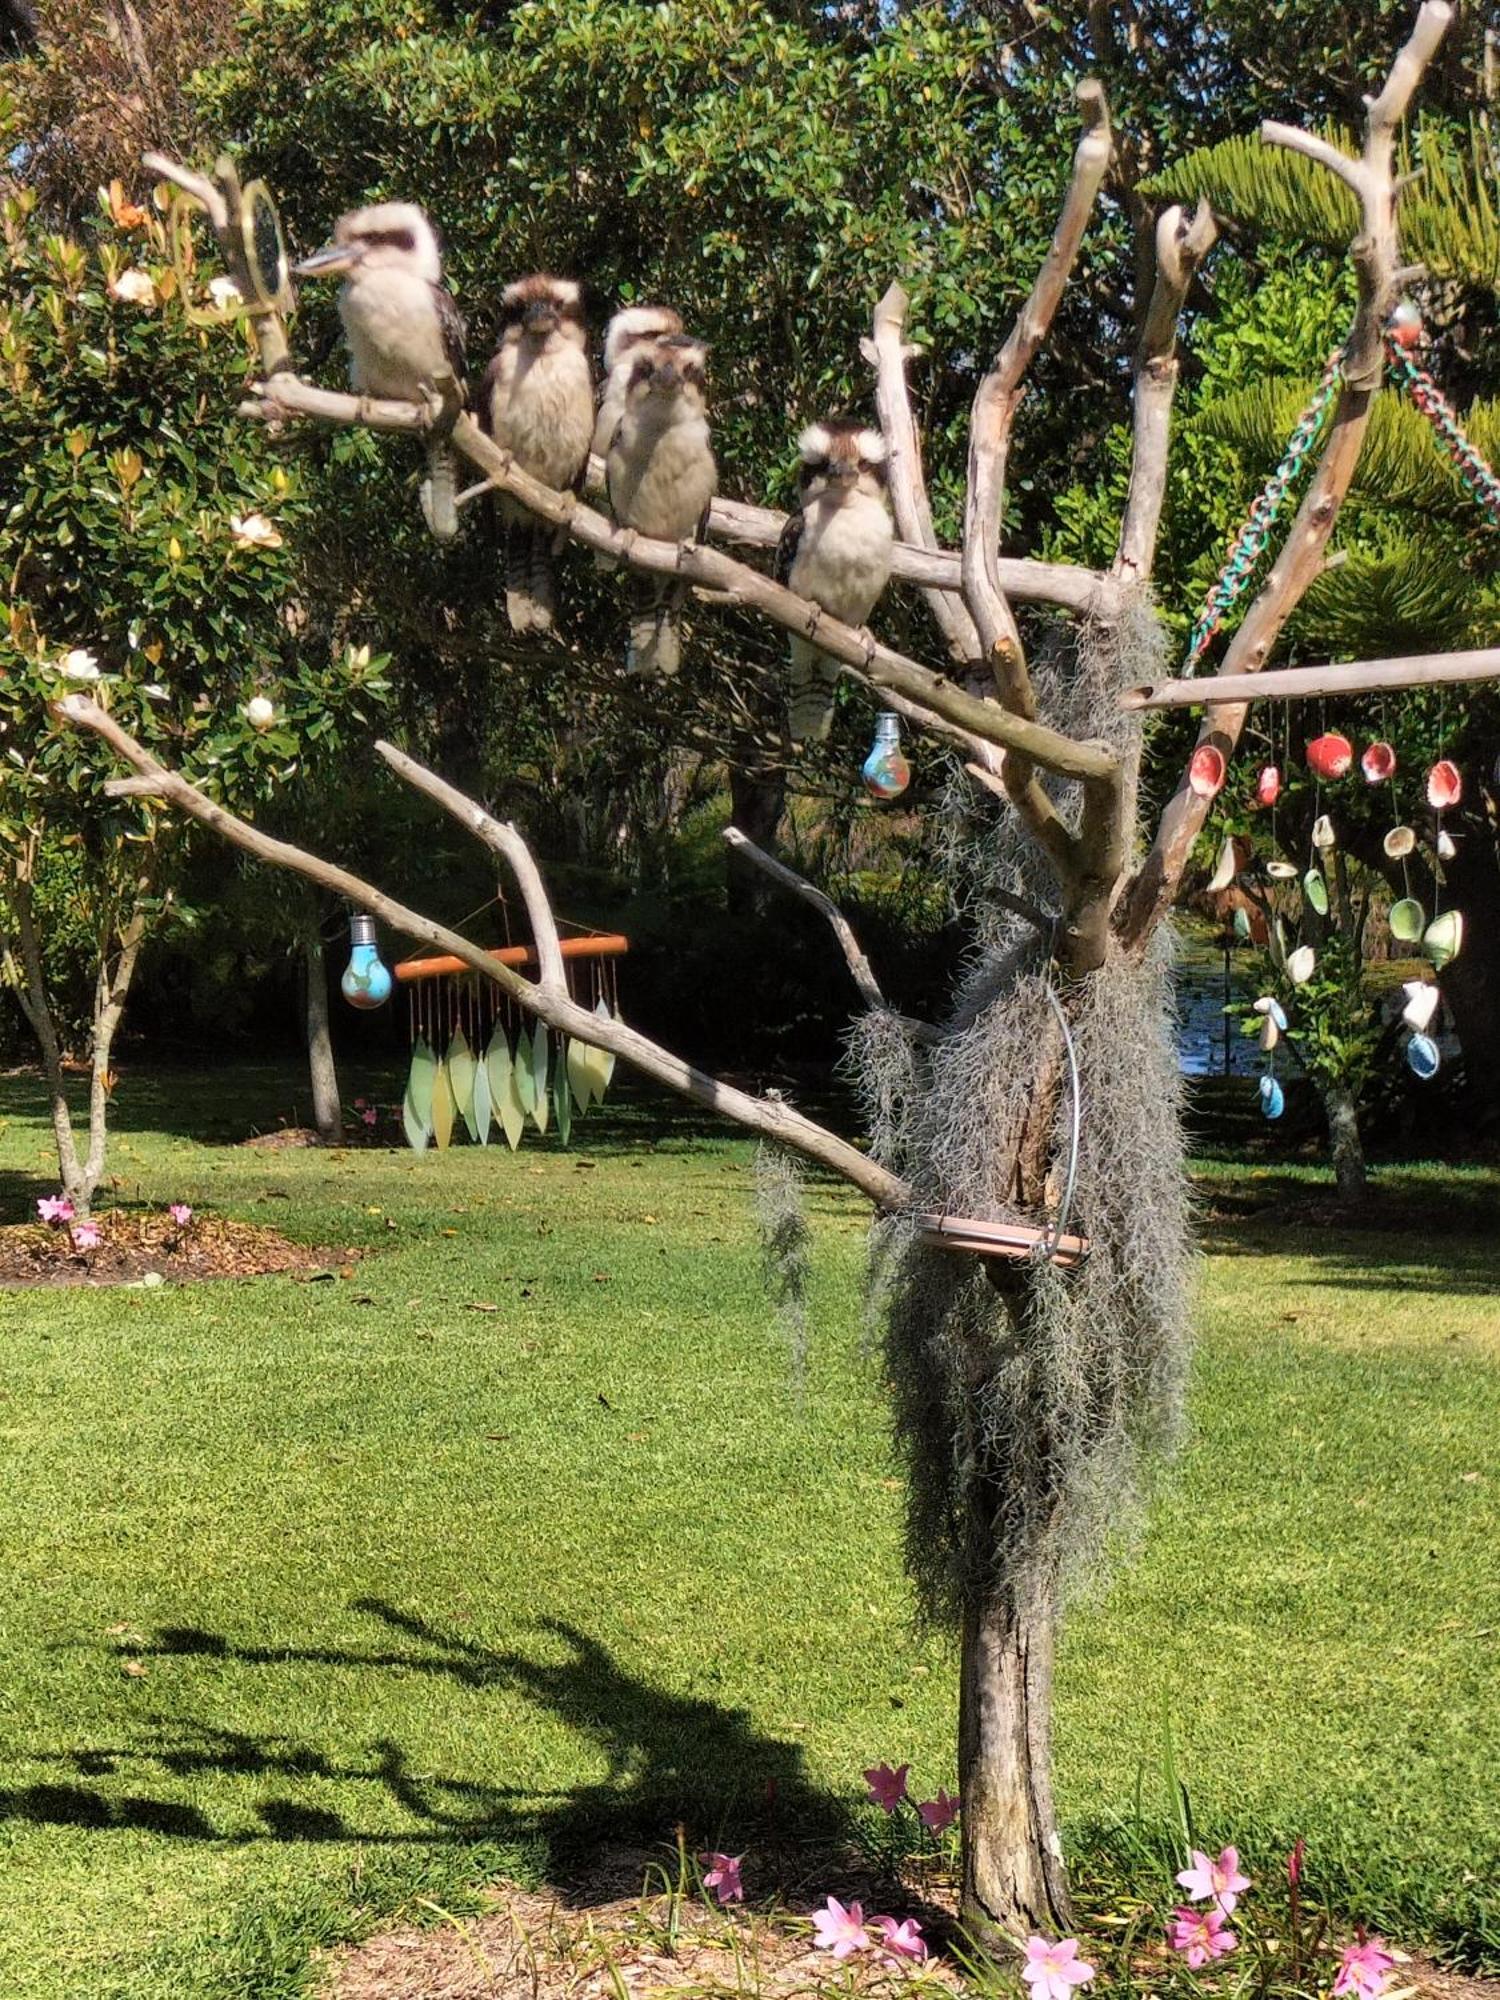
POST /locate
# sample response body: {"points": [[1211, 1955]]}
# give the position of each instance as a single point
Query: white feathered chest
{"points": [[542, 409], [661, 474], [394, 334], [843, 557]]}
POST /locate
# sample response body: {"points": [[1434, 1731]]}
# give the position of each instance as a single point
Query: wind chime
{"points": [[480, 1062], [1331, 755]]}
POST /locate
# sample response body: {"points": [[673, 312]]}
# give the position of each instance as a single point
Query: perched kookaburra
{"points": [[402, 327], [632, 329], [661, 476], [835, 549], [538, 402]]}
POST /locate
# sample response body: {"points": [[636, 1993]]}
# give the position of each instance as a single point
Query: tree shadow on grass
{"points": [[668, 1757]]}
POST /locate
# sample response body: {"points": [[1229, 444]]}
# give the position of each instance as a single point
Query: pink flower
{"points": [[181, 1214], [1218, 1882], [887, 1787], [1052, 1970], [359, 1104], [938, 1814], [903, 1940], [839, 1930], [55, 1208], [1200, 1935], [1364, 1969], [85, 1236], [721, 1873], [369, 1115]]}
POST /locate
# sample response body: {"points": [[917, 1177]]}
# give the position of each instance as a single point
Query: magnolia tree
{"points": [[1025, 1152], [167, 590]]}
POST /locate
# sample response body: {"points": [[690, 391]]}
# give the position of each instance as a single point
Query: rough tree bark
{"points": [[1345, 1147]]}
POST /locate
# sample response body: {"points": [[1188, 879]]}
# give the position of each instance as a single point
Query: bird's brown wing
{"points": [[451, 323], [786, 548]]}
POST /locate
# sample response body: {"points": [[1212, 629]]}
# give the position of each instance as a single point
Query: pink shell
{"points": [[1445, 785], [1207, 771], [1330, 756], [1268, 785], [1378, 763]]}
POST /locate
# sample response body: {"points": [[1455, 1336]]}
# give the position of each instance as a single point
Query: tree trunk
{"points": [[1344, 1143], [327, 1109], [1013, 1878], [756, 800]]}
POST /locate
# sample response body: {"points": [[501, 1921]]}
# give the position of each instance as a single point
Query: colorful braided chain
{"points": [[1473, 472], [1245, 549]]}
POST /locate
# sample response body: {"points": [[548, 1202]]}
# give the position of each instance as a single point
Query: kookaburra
{"points": [[835, 549], [403, 330], [632, 329], [538, 402], [661, 477]]}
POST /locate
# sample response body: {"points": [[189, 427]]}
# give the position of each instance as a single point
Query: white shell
{"points": [[1270, 1034], [1301, 964], [1323, 834], [1281, 871], [1446, 849], [1422, 999], [1399, 842], [1223, 873]]}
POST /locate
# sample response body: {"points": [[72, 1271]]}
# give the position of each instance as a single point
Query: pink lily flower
{"points": [[839, 1930], [1364, 1969], [1200, 1935], [938, 1814], [55, 1208], [901, 1941], [369, 1115], [887, 1787], [181, 1214], [86, 1236], [1219, 1882], [721, 1873], [1053, 1970]]}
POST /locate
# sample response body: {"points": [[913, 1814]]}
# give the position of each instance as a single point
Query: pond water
{"points": [[1208, 1043]]}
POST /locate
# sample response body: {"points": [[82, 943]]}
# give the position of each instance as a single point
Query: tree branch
{"points": [[502, 839], [1375, 254], [1181, 246], [859, 966], [879, 666], [995, 403], [1299, 683], [771, 1117]]}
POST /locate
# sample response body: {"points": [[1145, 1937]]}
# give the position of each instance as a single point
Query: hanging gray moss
{"points": [[1044, 1401], [781, 1217]]}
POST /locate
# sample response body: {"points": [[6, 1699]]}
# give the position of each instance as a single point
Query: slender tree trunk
{"points": [[1013, 1878], [38, 1011], [1344, 1143], [328, 1110]]}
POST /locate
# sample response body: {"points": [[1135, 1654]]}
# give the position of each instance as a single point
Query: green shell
{"points": [[484, 1110], [443, 1107], [1408, 920], [1242, 924], [1315, 889], [541, 1057], [461, 1072], [1443, 938]]}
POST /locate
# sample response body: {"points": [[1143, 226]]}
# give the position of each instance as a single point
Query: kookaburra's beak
{"points": [[332, 257], [666, 375], [541, 318], [843, 471]]}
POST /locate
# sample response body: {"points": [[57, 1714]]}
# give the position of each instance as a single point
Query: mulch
{"points": [[141, 1246]]}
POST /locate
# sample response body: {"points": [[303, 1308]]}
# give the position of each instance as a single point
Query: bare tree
{"points": [[1032, 1366]]}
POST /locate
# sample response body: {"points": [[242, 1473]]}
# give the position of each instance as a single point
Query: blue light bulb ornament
{"points": [[366, 983], [885, 771]]}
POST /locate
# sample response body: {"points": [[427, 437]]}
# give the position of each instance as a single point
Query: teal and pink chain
{"points": [[1245, 549], [1474, 474]]}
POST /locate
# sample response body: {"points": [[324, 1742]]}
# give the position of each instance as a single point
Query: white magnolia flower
{"points": [[254, 531], [224, 292], [134, 287], [80, 665], [259, 712]]}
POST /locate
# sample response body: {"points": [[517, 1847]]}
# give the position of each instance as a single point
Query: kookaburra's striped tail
{"points": [[655, 613], [812, 678], [440, 490], [530, 599]]}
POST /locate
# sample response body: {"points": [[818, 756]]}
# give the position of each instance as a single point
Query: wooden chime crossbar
{"points": [[1015, 1242], [606, 945]]}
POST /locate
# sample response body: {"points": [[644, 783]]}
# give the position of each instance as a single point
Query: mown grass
{"points": [[522, 1533]]}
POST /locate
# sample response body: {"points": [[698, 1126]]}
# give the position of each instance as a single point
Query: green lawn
{"points": [[423, 1591]]}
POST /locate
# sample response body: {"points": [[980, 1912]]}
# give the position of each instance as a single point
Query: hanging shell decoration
{"points": [[1378, 763], [1301, 964], [1207, 771], [1268, 785], [1224, 868], [1269, 1005], [1330, 756], [1282, 871], [1272, 1098], [1445, 847], [1323, 835], [1422, 1002], [1443, 939], [1445, 786], [1408, 920], [1423, 1057], [1399, 842], [1315, 892]]}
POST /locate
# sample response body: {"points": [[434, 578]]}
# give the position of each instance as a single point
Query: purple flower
{"points": [[938, 1814], [55, 1208], [1200, 1935], [901, 1941], [1364, 1969], [887, 1787], [721, 1873], [839, 1930], [1053, 1970], [181, 1214], [85, 1236]]}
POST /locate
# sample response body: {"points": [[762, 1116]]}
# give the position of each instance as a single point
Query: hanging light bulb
{"points": [[886, 772], [366, 983]]}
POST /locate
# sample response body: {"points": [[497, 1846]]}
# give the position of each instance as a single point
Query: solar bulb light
{"points": [[366, 983]]}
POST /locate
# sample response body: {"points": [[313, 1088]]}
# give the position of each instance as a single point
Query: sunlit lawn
{"points": [[523, 1532]]}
